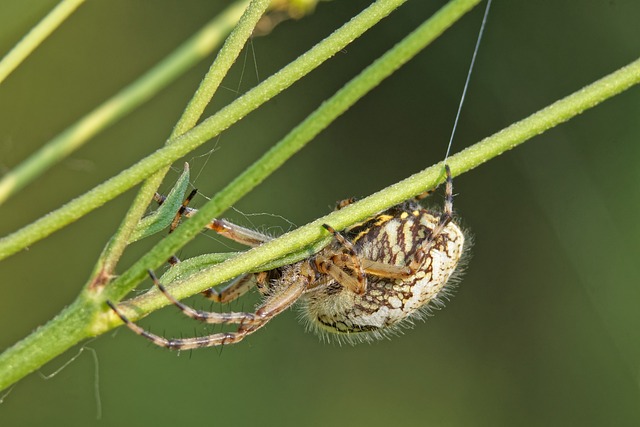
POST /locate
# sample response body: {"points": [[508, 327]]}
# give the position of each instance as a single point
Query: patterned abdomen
{"points": [[392, 238]]}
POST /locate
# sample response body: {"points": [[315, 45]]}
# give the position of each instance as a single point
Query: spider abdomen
{"points": [[385, 245]]}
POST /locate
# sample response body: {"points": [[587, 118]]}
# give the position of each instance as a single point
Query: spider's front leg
{"points": [[419, 258], [227, 229], [333, 265], [234, 290]]}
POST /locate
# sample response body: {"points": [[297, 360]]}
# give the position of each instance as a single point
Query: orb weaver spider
{"points": [[372, 279]]}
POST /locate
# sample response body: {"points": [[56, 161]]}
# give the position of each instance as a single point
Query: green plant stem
{"points": [[208, 129], [83, 318], [220, 67], [104, 269], [36, 36], [132, 96]]}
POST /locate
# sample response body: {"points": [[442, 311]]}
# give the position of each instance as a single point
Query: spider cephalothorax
{"points": [[372, 278]]}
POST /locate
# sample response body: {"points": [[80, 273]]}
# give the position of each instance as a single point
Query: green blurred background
{"points": [[544, 329]]}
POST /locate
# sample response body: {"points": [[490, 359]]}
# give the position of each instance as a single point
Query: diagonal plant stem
{"points": [[208, 129], [36, 36], [184, 57], [104, 269], [72, 324]]}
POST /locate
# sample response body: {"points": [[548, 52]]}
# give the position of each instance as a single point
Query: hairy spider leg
{"points": [[237, 233], [234, 290], [339, 261], [183, 208], [273, 306], [201, 315], [420, 256]]}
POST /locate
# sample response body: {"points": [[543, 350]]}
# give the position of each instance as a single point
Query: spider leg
{"points": [[238, 287], [204, 316], [227, 229], [448, 197], [353, 258], [420, 256], [344, 203], [383, 269], [288, 294], [333, 269], [245, 236], [173, 260], [181, 211]]}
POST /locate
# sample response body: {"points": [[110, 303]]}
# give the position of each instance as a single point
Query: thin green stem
{"points": [[132, 96], [199, 134], [75, 324], [230, 51], [220, 67], [36, 36]]}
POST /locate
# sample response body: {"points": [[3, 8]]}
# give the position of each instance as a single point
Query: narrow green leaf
{"points": [[162, 217]]}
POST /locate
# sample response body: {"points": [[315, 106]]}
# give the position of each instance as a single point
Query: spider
{"points": [[372, 279]]}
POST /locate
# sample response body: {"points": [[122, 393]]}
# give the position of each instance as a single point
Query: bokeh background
{"points": [[544, 329]]}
